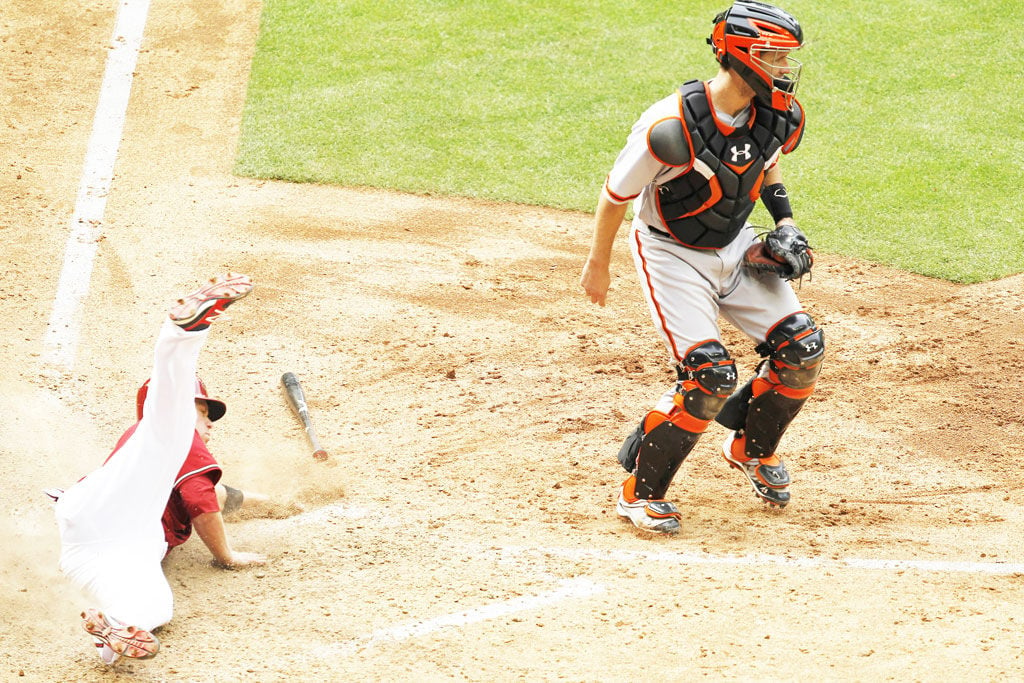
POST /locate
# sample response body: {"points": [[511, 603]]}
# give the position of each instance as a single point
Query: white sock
{"points": [[106, 654]]}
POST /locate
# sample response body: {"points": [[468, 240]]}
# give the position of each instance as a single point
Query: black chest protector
{"points": [[708, 204]]}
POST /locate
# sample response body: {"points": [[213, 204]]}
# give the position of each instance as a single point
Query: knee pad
{"points": [[707, 377], [795, 348], [765, 405]]}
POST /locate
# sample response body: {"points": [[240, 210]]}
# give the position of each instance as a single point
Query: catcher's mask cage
{"points": [[755, 39], [215, 406]]}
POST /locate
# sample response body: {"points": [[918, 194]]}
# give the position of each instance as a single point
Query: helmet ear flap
{"points": [[719, 46]]}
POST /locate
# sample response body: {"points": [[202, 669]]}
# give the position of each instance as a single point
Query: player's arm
{"points": [[200, 500], [210, 527], [635, 168], [251, 504], [596, 278]]}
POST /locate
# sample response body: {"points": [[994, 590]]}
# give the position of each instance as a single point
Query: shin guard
{"points": [[765, 406], [663, 449], [769, 415]]}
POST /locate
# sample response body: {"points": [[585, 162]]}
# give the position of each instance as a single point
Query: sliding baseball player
{"points": [[117, 523]]}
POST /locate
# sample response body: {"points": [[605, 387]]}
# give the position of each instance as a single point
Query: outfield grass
{"points": [[913, 154]]}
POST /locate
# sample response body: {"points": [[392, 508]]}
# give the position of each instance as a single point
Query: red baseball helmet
{"points": [[216, 407], [755, 39]]}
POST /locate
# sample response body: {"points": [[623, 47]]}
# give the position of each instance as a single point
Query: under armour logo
{"points": [[736, 152]]}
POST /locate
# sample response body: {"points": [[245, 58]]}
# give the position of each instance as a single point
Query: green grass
{"points": [[913, 152]]}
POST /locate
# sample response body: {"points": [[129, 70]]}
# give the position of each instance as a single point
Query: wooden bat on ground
{"points": [[297, 400]]}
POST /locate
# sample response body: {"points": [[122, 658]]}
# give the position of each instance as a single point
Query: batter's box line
{"points": [[578, 587], [757, 559]]}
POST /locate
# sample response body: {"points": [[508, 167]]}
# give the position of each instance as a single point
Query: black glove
{"points": [[784, 251]]}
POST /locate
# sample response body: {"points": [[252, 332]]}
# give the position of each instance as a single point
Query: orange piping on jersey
{"points": [[617, 197], [654, 300], [791, 142]]}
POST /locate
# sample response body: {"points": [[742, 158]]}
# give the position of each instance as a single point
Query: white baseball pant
{"points": [[687, 289]]}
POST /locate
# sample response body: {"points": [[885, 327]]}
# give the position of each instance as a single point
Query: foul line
{"points": [[61, 339], [568, 588], [760, 559]]}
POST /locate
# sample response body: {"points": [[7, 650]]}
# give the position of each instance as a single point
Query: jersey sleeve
{"points": [[198, 495], [636, 167]]}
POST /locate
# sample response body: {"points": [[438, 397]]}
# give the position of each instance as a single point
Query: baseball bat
{"points": [[297, 400]]}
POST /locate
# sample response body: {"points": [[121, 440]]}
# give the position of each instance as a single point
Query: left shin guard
{"points": [[764, 407], [769, 414]]}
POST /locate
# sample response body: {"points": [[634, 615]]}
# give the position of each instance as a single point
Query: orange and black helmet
{"points": [[755, 39], [215, 406]]}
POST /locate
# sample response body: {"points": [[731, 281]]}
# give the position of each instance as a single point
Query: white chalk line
{"points": [[567, 588], [757, 559], [582, 587], [60, 342], [343, 510]]}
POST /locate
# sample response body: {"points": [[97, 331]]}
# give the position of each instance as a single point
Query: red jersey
{"points": [[193, 493]]}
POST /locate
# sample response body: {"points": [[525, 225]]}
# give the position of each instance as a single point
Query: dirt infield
{"points": [[473, 403]]}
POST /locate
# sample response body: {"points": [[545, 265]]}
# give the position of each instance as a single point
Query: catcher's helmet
{"points": [[215, 406], [755, 39]]}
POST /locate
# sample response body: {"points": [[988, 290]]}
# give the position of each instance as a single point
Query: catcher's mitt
{"points": [[784, 252]]}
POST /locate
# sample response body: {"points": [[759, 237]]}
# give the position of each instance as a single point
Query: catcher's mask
{"points": [[755, 39], [215, 406]]}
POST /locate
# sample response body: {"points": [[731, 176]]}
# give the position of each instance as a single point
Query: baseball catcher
{"points": [[117, 523], [694, 164]]}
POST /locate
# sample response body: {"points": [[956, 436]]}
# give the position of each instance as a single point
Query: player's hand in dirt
{"points": [[240, 560], [595, 281]]}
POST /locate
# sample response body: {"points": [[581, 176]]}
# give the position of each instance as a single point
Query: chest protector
{"points": [[707, 205]]}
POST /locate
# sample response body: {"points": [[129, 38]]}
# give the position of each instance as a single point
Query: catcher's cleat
{"points": [[126, 641], [658, 516], [197, 310], [768, 475]]}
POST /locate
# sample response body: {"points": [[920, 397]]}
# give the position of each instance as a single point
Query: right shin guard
{"points": [[663, 449], [656, 449]]}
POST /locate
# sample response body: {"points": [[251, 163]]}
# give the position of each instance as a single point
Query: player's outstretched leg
{"points": [[768, 476], [197, 310], [125, 641]]}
